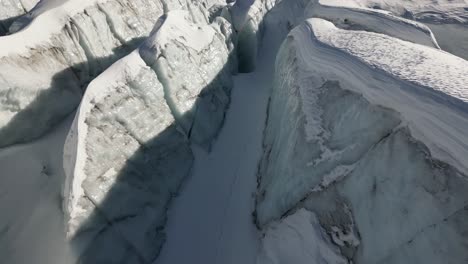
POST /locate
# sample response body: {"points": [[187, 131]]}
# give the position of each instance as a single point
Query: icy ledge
{"points": [[129, 147], [368, 132]]}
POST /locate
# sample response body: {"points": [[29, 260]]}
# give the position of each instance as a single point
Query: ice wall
{"points": [[370, 143], [43, 76], [129, 149], [373, 20]]}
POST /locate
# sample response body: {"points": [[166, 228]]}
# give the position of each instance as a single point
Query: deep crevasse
{"points": [[211, 220]]}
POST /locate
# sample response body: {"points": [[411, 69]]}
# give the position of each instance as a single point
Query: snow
{"points": [[442, 11], [211, 220], [413, 63], [31, 226], [298, 239], [10, 10], [61, 61], [447, 19], [440, 77], [364, 155], [121, 193], [78, 40], [176, 44], [365, 130], [361, 18], [452, 38]]}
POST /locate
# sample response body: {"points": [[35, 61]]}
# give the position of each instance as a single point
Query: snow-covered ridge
{"points": [[374, 149], [129, 148], [350, 16], [78, 40]]}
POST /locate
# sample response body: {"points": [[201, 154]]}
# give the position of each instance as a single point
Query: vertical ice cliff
{"points": [[43, 76], [129, 148], [366, 131]]}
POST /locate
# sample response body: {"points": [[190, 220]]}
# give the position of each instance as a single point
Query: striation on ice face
{"points": [[359, 135], [129, 148], [78, 40]]}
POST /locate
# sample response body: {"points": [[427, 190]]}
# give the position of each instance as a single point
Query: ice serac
{"points": [[129, 148], [367, 131], [78, 40]]}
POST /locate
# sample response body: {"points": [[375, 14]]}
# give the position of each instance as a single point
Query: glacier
{"points": [[370, 141], [12, 10], [78, 40], [150, 106]]}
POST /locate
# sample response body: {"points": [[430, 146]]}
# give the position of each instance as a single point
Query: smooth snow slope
{"points": [[361, 18]]}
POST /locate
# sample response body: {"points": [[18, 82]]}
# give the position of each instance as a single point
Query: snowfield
{"points": [[239, 131]]}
